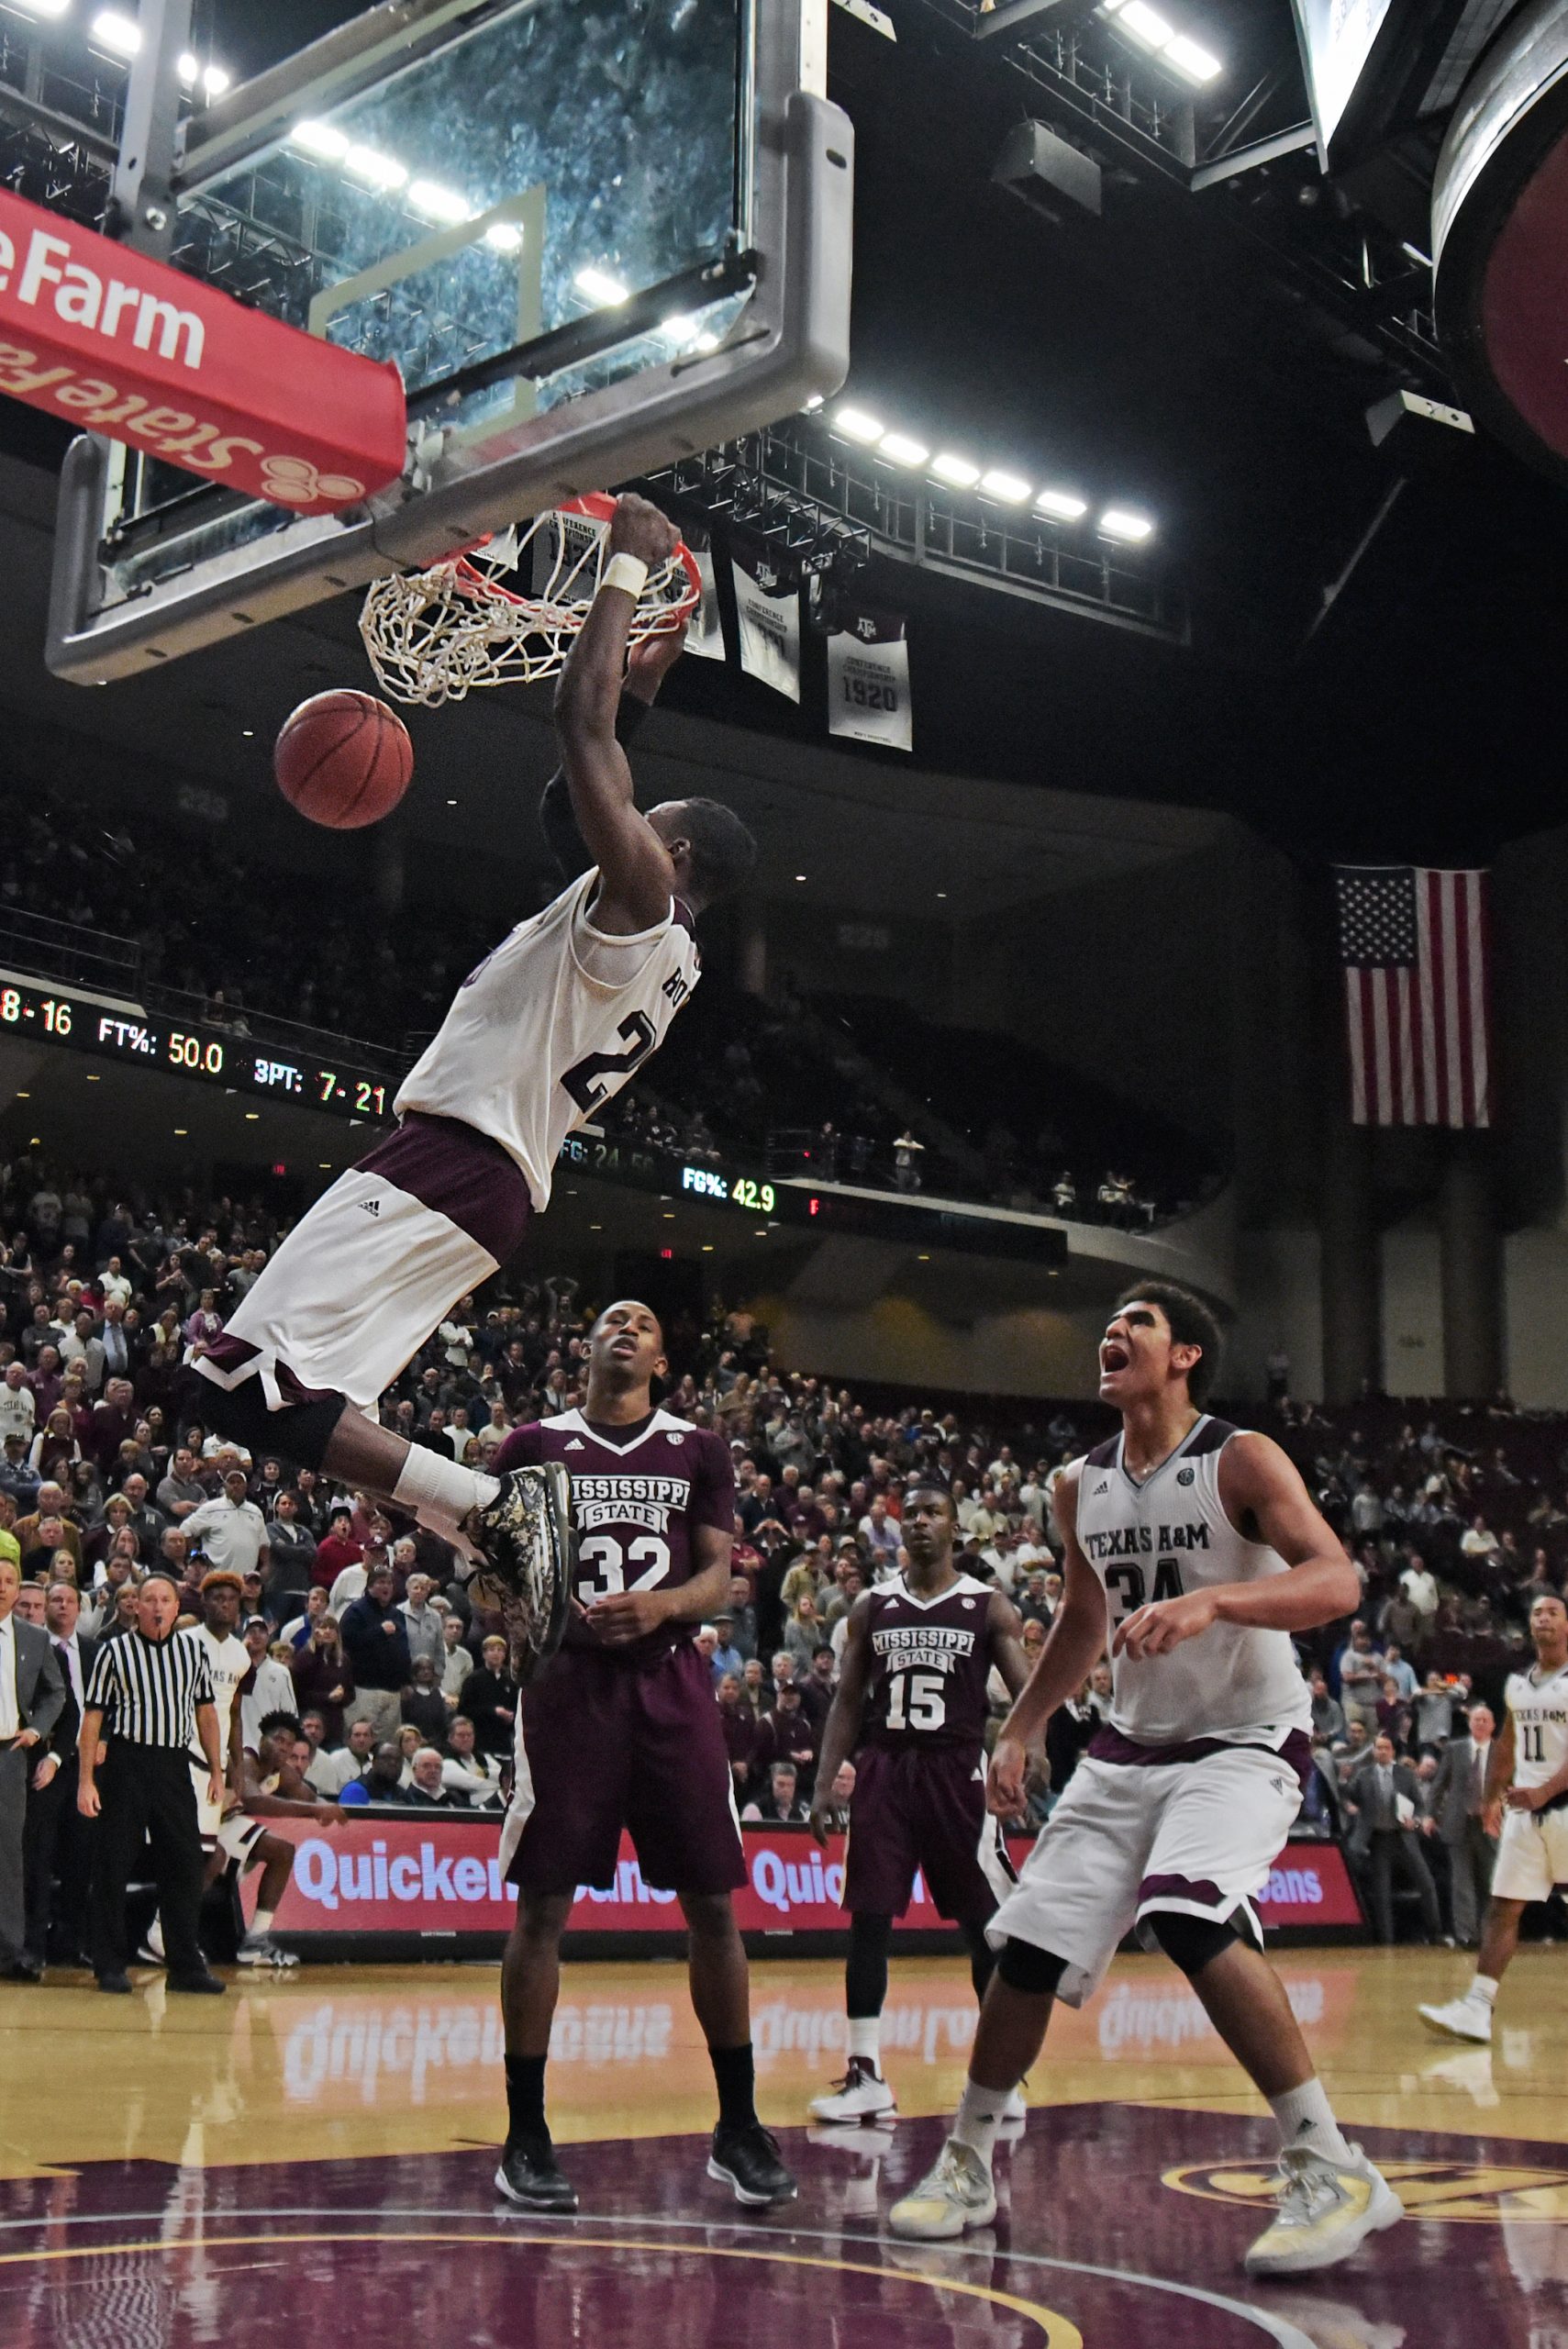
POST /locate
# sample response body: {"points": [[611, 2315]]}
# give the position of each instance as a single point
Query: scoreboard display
{"points": [[86, 1024]]}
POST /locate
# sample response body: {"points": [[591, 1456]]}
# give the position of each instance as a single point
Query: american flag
{"points": [[1415, 948]]}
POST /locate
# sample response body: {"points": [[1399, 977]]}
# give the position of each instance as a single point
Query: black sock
{"points": [[736, 2073], [525, 2097]]}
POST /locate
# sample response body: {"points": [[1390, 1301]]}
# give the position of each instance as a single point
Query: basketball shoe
{"points": [[1324, 2209], [530, 2175], [1463, 2018], [256, 1949], [954, 2195], [861, 2095], [745, 2156], [525, 1542]]}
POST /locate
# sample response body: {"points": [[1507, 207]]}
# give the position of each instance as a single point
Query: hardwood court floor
{"points": [[177, 2172]]}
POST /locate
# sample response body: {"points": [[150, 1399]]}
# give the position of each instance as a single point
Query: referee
{"points": [[150, 1696]]}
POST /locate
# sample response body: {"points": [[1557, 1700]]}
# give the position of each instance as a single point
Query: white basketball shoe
{"points": [[1466, 2018], [954, 2195], [1325, 2208], [861, 2095]]}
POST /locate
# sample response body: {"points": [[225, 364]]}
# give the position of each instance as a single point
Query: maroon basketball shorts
{"points": [[923, 1807], [609, 1745]]}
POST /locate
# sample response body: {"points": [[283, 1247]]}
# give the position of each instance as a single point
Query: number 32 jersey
{"points": [[637, 1494], [550, 1025], [930, 1662], [1159, 1540]]}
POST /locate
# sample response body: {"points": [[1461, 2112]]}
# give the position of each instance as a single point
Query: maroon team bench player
{"points": [[621, 1731]]}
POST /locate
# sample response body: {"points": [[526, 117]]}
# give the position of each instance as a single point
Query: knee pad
{"points": [[1036, 1972], [1190, 1942]]}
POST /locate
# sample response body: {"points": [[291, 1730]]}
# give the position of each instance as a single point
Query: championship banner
{"points": [[705, 629], [127, 347], [868, 680], [379, 1873], [767, 607]]}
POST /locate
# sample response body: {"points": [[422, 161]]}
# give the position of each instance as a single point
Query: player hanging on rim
{"points": [[1202, 1546], [1526, 1807], [916, 1658], [621, 1731], [537, 1041]]}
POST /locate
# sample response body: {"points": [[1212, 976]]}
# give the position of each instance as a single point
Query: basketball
{"points": [[344, 760]]}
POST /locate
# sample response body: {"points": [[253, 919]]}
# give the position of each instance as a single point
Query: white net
{"points": [[434, 636]]}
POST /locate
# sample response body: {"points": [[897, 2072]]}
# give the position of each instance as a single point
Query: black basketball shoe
{"points": [[746, 2157], [524, 1537], [529, 2176]]}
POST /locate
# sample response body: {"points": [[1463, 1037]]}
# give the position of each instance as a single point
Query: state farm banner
{"points": [[125, 346], [705, 629], [379, 1873], [767, 610], [868, 680]]}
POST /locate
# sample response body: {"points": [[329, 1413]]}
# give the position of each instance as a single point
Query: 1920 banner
{"points": [[119, 344], [378, 1874]]}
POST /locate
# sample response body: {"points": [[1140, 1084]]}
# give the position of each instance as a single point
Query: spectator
{"points": [[1457, 1805], [489, 1700], [270, 1686], [1382, 1799], [1328, 1714], [423, 1707], [333, 1767], [383, 1781], [428, 1789], [323, 1678], [423, 1627], [727, 1658], [377, 1643], [469, 1772], [230, 1533], [778, 1802]]}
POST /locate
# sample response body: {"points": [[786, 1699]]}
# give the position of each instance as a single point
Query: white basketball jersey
{"points": [[550, 1026], [1162, 1538], [229, 1661], [1538, 1706]]}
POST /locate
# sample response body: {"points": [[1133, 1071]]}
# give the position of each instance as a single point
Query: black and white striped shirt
{"points": [[147, 1690]]}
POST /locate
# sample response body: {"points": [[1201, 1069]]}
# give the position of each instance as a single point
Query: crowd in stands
{"points": [[1455, 1519], [737, 1071]]}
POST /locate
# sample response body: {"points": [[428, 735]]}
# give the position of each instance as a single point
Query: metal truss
{"points": [[830, 509]]}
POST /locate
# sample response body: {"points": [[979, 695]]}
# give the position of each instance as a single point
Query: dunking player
{"points": [[622, 1730], [1526, 1804], [916, 1658], [1204, 1548], [538, 1038]]}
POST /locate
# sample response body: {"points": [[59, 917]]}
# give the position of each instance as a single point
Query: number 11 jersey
{"points": [[637, 1494], [1163, 1538], [550, 1025]]}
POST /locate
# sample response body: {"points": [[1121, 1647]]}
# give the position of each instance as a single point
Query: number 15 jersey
{"points": [[1159, 1540], [637, 1494], [930, 1659], [550, 1025]]}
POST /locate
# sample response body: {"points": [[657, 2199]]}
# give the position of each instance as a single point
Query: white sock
{"points": [[1483, 1988], [1306, 2119], [155, 1935], [440, 1492], [865, 2038], [261, 1924], [974, 2124]]}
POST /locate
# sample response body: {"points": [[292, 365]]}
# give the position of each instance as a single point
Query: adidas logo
{"points": [[1101, 1488], [370, 1207], [576, 1444]]}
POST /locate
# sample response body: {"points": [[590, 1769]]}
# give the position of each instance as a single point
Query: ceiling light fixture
{"points": [[1007, 489], [215, 80], [858, 424], [41, 7], [1145, 24], [433, 202], [121, 36], [505, 236], [1196, 63], [321, 139], [374, 168], [899, 449], [607, 292], [1120, 522], [1061, 505], [957, 472]]}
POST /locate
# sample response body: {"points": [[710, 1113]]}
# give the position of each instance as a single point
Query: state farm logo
{"points": [[83, 298]]}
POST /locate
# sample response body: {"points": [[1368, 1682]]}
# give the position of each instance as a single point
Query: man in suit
{"points": [[1383, 1801], [32, 1697], [1457, 1805], [57, 1843]]}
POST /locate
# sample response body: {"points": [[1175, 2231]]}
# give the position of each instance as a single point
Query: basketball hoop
{"points": [[434, 636]]}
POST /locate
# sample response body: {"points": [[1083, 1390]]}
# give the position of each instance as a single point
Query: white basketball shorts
{"points": [[233, 1836], [1532, 1855], [1126, 1839], [379, 1261]]}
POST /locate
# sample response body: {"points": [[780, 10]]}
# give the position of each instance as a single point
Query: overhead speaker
{"points": [[1051, 176]]}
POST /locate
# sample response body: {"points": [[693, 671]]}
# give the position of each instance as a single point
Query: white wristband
{"points": [[627, 572]]}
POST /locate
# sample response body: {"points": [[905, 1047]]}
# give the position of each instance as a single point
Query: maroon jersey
{"points": [[930, 1662], [637, 1493]]}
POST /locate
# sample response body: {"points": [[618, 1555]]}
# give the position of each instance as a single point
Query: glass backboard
{"points": [[595, 235]]}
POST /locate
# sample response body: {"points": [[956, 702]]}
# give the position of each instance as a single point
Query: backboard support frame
{"points": [[789, 342]]}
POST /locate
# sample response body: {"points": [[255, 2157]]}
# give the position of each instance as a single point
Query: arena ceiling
{"points": [[1158, 354]]}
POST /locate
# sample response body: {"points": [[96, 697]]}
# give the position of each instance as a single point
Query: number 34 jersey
{"points": [[549, 1026], [1159, 1540], [929, 1663], [638, 1493]]}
